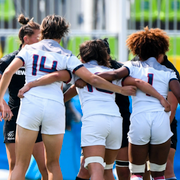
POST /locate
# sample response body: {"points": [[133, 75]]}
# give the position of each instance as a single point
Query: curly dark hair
{"points": [[54, 27], [94, 50], [27, 28], [148, 43]]}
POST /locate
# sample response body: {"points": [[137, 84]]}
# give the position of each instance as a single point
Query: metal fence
{"points": [[164, 14]]}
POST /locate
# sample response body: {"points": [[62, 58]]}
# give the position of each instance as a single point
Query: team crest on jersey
{"points": [[10, 135]]}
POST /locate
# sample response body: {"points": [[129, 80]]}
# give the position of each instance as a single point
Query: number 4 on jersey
{"points": [[42, 65]]}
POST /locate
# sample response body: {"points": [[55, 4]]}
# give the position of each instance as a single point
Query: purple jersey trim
{"points": [[173, 79], [128, 70], [78, 67], [20, 58], [70, 77]]}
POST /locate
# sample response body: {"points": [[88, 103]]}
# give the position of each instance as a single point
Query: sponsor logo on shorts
{"points": [[10, 135]]}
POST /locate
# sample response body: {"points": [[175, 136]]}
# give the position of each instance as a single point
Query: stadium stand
{"points": [[142, 9], [11, 44], [7, 10]]}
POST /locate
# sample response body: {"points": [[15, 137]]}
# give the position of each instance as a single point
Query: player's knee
{"points": [[157, 167], [136, 168], [11, 165], [94, 159], [51, 164]]}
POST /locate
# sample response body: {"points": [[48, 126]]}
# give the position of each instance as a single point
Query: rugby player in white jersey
{"points": [[150, 127], [44, 105], [101, 123]]}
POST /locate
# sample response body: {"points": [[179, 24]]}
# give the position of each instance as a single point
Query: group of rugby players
{"points": [[108, 131]]}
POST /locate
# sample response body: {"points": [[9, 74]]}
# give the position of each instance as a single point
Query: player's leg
{"points": [[169, 172], [9, 131], [53, 129], [158, 157], [93, 140], [160, 144], [94, 161], [110, 156], [10, 151], [24, 146], [113, 144], [147, 173], [28, 122], [39, 155], [53, 145], [122, 164], [122, 160], [139, 137], [83, 173], [137, 159]]}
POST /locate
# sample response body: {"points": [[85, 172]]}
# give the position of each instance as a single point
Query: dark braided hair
{"points": [[27, 28]]}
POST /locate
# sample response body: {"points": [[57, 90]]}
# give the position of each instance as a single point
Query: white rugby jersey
{"points": [[93, 100], [155, 74], [39, 62]]}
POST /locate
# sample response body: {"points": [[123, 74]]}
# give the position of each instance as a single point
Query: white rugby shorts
{"points": [[153, 127], [35, 111], [102, 130]]}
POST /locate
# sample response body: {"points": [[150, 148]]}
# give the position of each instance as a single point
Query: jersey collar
{"points": [[93, 62]]}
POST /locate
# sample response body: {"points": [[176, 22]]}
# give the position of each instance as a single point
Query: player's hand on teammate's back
{"points": [[23, 90], [80, 83], [165, 104], [128, 90]]}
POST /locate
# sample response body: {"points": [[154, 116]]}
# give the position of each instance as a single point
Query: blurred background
{"points": [[90, 19], [115, 19]]}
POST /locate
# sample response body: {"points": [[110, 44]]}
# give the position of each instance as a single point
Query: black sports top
{"points": [[121, 101], [17, 81]]}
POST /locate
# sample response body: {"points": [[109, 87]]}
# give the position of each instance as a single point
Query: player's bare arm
{"points": [[70, 93], [173, 101], [148, 89], [7, 109], [116, 74], [101, 83], [5, 80], [175, 88], [85, 75], [62, 75], [109, 76]]}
